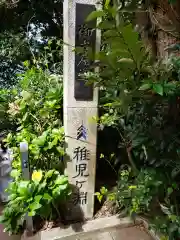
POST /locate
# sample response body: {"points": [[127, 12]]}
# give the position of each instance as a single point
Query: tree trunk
{"points": [[166, 18], [145, 28]]}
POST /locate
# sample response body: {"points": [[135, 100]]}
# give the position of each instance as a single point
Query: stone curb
{"points": [[92, 227], [79, 229]]}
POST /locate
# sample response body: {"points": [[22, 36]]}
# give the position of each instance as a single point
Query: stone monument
{"points": [[80, 105]]}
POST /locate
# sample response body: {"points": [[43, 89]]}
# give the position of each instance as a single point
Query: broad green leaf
{"points": [[165, 209], [107, 2], [26, 95], [55, 131], [99, 196], [61, 180], [34, 206], [103, 191], [53, 143], [174, 185], [44, 113], [110, 33], [15, 173], [31, 213], [170, 190], [2, 219], [50, 104], [131, 40], [49, 174], [107, 25], [46, 196], [49, 42], [26, 63], [56, 192], [23, 187], [18, 200], [38, 198], [108, 105], [158, 88], [111, 197], [40, 140], [126, 60], [60, 150], [25, 117], [145, 86], [42, 186], [62, 187], [94, 15]]}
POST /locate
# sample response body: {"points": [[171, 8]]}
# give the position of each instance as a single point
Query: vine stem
{"points": [[128, 151], [111, 166], [54, 205], [37, 121]]}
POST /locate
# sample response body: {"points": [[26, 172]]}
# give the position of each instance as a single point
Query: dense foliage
{"points": [[31, 112], [141, 101], [40, 196], [37, 108]]}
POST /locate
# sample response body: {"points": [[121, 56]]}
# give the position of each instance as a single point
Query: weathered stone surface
{"points": [[108, 228], [84, 230], [131, 233], [69, 55], [95, 236], [77, 117], [80, 129]]}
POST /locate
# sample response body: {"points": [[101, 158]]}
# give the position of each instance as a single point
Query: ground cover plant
{"points": [[41, 197]]}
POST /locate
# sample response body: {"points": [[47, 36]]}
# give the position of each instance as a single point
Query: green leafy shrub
{"points": [[139, 96], [42, 196], [37, 109], [5, 98], [168, 224], [101, 194], [35, 105], [137, 194], [140, 99]]}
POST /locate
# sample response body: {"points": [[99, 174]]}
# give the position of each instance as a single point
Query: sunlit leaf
{"points": [[95, 14], [145, 86], [158, 88]]}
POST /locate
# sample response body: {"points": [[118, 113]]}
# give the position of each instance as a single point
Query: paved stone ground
{"points": [[116, 233], [130, 233]]}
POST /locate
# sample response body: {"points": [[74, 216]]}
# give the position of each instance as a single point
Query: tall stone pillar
{"points": [[80, 105]]}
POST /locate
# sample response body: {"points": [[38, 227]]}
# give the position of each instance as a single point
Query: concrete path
{"points": [[108, 228], [101, 229], [129, 233]]}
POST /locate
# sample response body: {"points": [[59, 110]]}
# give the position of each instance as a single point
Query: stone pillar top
{"points": [[69, 56]]}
